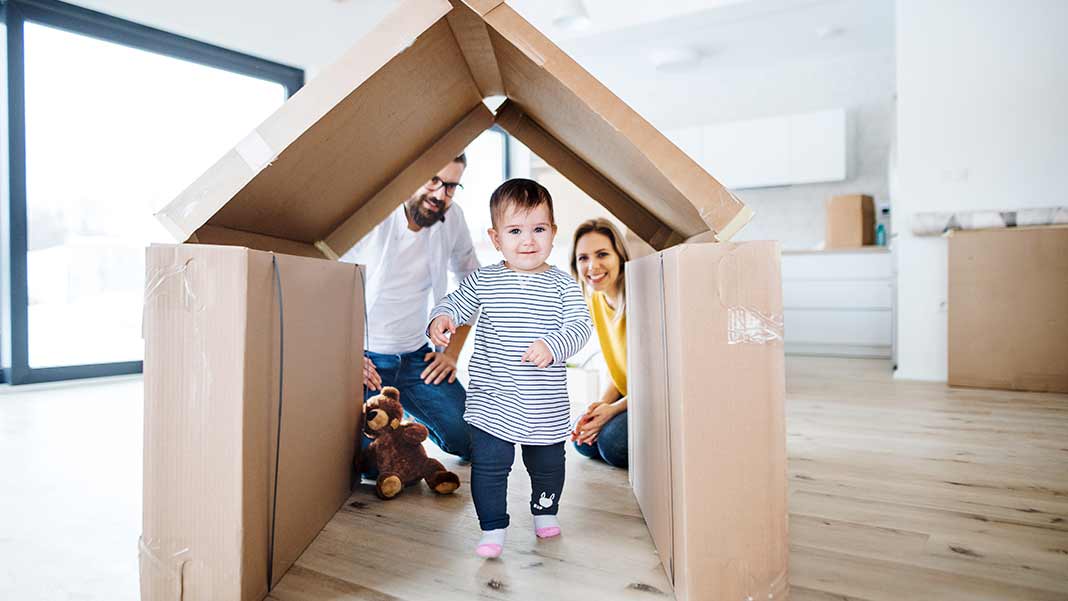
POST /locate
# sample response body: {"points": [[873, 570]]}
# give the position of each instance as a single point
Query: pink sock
{"points": [[546, 526], [491, 544]]}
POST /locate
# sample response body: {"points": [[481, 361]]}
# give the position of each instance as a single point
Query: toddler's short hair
{"points": [[524, 194]]}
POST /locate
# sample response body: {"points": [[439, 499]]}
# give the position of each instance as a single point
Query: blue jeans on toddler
{"points": [[491, 461], [439, 407], [611, 443]]}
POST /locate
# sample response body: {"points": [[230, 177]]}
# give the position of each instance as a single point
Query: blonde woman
{"points": [[598, 256]]}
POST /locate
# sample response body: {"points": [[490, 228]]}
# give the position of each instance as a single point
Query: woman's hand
{"points": [[589, 425], [584, 418]]}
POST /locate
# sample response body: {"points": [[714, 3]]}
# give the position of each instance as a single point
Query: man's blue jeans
{"points": [[439, 407]]}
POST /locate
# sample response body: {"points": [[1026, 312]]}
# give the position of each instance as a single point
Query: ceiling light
{"points": [[572, 16], [825, 33], [674, 60]]}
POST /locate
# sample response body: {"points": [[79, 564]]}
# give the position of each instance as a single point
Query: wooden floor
{"points": [[898, 491], [917, 491]]}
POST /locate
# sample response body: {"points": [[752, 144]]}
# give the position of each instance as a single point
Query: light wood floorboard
{"points": [[898, 491]]}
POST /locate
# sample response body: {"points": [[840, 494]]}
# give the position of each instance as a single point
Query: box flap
{"points": [[359, 138], [584, 117]]}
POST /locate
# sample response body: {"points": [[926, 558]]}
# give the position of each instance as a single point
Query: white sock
{"points": [[545, 521], [493, 537]]}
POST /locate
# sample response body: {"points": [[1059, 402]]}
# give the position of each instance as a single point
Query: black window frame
{"points": [[506, 167], [52, 13]]}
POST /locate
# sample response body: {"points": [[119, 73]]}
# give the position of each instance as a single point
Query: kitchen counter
{"points": [[839, 302], [839, 251]]}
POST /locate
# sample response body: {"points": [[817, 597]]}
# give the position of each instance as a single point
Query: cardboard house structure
{"points": [[252, 395]]}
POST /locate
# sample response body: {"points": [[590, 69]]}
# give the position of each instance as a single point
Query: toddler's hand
{"points": [[438, 327], [538, 353]]}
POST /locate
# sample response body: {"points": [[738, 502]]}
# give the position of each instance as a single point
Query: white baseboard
{"points": [[838, 350]]}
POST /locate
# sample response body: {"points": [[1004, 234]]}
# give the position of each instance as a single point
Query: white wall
{"points": [[982, 123], [861, 83]]}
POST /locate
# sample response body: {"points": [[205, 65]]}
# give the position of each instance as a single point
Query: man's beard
{"points": [[422, 216]]}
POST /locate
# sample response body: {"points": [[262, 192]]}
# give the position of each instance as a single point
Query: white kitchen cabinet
{"points": [[748, 154], [838, 303], [775, 151], [817, 145]]}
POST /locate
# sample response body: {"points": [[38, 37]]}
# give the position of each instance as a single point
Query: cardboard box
{"points": [[707, 429], [850, 221], [213, 353], [327, 167], [1008, 309]]}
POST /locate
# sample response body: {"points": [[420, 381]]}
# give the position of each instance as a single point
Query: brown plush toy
{"points": [[397, 449]]}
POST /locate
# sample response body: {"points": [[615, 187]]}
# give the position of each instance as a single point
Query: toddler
{"points": [[533, 318]]}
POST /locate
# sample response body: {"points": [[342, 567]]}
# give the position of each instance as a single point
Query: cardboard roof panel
{"points": [[329, 171], [587, 118], [354, 120], [573, 122], [474, 40], [446, 148], [359, 138], [637, 218]]}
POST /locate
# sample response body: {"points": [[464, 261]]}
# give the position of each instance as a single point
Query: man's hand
{"points": [[538, 353], [371, 379], [438, 327], [441, 366]]}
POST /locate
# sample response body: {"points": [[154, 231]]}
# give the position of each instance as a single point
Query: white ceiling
{"points": [[622, 33], [611, 15], [750, 35], [303, 33]]}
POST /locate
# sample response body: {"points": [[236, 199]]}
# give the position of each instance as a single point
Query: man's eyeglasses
{"points": [[436, 183]]}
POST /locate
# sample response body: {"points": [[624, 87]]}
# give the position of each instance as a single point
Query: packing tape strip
{"points": [[176, 231], [326, 250], [741, 218], [255, 151], [172, 566]]}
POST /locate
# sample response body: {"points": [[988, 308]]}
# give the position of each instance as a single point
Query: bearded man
{"points": [[408, 258]]}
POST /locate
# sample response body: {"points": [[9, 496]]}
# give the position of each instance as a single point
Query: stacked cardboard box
{"points": [[850, 221], [1008, 308], [312, 180]]}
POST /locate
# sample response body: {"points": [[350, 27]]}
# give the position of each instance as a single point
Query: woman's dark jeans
{"points": [[611, 443]]}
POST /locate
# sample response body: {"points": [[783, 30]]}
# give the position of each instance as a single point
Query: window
{"points": [[111, 120], [487, 168]]}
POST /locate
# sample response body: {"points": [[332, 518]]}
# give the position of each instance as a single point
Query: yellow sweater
{"points": [[612, 336]]}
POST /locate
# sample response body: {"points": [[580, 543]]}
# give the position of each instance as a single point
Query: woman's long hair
{"points": [[605, 228]]}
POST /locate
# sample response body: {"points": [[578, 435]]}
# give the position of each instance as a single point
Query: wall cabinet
{"points": [[776, 151]]}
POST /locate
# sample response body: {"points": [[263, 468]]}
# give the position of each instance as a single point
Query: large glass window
{"points": [[110, 121], [486, 169], [112, 134]]}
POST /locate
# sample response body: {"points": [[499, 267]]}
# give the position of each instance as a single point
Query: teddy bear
{"points": [[397, 449]]}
